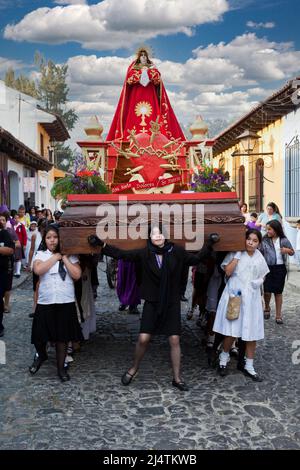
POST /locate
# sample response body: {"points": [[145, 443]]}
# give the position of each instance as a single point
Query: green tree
{"points": [[53, 89], [64, 156], [21, 83]]}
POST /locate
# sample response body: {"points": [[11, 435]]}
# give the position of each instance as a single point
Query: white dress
{"points": [[250, 324]]}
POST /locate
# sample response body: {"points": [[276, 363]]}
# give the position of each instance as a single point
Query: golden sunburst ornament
{"points": [[143, 108]]}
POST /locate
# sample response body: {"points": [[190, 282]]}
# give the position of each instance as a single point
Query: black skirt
{"points": [[55, 322], [275, 279], [151, 323]]}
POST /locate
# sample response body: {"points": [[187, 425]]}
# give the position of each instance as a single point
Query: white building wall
{"points": [[19, 116]]}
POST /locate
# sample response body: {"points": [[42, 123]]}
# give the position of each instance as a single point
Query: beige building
{"points": [[262, 155]]}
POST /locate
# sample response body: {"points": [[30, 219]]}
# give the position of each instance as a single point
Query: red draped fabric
{"points": [[139, 105]]}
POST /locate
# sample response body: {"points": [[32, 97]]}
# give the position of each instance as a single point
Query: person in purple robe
{"points": [[127, 287]]}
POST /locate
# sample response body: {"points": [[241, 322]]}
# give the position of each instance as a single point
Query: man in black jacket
{"points": [[6, 250]]}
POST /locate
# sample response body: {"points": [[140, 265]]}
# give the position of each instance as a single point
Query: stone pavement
{"points": [[94, 411]]}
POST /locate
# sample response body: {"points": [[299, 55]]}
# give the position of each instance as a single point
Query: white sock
{"points": [[210, 339], [249, 366], [18, 267], [224, 358]]}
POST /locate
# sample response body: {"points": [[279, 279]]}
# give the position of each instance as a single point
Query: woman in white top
{"points": [[245, 272], [55, 318], [272, 213]]}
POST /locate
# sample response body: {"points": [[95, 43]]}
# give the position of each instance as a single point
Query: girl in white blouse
{"points": [[55, 318]]}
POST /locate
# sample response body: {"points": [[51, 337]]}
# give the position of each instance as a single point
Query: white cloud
{"points": [[5, 64], [267, 25], [70, 2], [257, 59], [102, 26]]}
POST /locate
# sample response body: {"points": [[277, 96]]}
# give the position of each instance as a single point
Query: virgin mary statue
{"points": [[143, 99]]}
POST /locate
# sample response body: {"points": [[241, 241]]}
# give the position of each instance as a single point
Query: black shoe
{"points": [[241, 366], [212, 358], [37, 362], [134, 310], [254, 377], [31, 315], [127, 378], [183, 298], [17, 276], [222, 370], [63, 375], [122, 307], [182, 386]]}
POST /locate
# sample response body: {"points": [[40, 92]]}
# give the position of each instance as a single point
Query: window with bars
{"points": [[256, 184], [292, 178]]}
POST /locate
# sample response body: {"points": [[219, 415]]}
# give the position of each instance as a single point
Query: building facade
{"points": [[269, 170], [27, 170]]}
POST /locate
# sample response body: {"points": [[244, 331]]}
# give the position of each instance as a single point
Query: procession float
{"points": [[147, 160]]}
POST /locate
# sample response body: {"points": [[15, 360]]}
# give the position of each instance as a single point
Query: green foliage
{"points": [[209, 179], [21, 83], [53, 89], [64, 156], [74, 184]]}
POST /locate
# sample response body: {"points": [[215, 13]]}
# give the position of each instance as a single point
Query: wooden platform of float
{"points": [[85, 214]]}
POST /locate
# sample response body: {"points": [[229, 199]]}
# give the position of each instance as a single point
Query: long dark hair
{"points": [[256, 232], [49, 228], [274, 207], [277, 227]]}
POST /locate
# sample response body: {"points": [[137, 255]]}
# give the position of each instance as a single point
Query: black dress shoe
{"points": [[182, 386], [183, 298], [222, 370], [122, 307], [134, 310], [254, 377], [63, 375], [127, 378], [37, 362]]}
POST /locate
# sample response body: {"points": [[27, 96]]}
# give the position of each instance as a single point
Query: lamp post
{"points": [[248, 140]]}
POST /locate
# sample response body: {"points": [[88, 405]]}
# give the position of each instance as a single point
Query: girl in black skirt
{"points": [[275, 247], [161, 265], [55, 318]]}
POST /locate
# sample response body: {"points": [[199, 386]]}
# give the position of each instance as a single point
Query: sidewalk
{"points": [[294, 276]]}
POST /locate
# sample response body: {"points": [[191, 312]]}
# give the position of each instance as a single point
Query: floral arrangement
{"points": [[209, 179], [82, 181]]}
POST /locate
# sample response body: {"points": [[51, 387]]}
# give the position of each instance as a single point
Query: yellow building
{"points": [[48, 132], [255, 152]]}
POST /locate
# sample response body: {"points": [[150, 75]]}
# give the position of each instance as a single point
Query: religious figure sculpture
{"points": [[143, 100]]}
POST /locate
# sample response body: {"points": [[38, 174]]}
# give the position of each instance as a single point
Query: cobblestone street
{"points": [[94, 411]]}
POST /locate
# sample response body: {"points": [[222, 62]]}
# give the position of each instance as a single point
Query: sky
{"points": [[218, 58]]}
